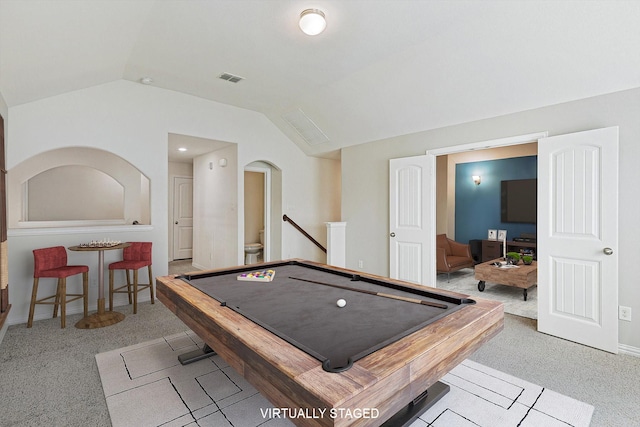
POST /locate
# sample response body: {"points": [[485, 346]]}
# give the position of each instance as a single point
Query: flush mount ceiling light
{"points": [[182, 149], [146, 80], [312, 22]]}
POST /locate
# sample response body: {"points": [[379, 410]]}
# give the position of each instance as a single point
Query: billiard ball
{"points": [[341, 302]]}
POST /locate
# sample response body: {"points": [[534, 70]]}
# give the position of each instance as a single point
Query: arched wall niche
{"points": [[82, 186]]}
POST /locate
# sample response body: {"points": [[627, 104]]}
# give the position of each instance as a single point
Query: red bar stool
{"points": [[52, 262], [135, 257]]}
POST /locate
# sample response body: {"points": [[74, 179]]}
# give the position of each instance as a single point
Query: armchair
{"points": [[451, 255]]}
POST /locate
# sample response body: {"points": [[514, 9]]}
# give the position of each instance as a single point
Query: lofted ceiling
{"points": [[382, 68]]}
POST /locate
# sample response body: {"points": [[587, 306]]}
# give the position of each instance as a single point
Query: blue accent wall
{"points": [[478, 206]]}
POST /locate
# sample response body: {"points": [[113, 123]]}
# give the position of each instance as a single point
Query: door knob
{"points": [[176, 222], [392, 234], [607, 251]]}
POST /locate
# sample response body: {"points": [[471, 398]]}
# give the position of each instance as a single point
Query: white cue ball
{"points": [[341, 302]]}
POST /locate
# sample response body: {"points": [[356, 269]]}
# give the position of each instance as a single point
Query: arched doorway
{"points": [[263, 208]]}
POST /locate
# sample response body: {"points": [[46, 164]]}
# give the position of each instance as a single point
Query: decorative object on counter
{"points": [[513, 258], [527, 259], [502, 236], [104, 243], [258, 276]]}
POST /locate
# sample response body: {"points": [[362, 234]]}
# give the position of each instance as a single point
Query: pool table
{"points": [[370, 362]]}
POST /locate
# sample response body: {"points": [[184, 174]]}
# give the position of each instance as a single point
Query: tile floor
{"points": [[145, 385]]}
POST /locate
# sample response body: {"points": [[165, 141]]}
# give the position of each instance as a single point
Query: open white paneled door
{"points": [[578, 237]]}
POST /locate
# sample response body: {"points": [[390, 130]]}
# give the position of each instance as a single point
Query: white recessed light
{"points": [[182, 149]]}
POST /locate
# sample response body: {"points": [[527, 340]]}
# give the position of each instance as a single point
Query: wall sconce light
{"points": [[476, 179], [312, 22]]}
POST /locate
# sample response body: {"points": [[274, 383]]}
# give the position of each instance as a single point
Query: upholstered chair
{"points": [[134, 257], [52, 263], [451, 255]]}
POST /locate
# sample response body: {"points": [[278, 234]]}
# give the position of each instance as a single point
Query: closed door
{"points": [[182, 218], [578, 237]]}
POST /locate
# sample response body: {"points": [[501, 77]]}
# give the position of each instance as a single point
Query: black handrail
{"points": [[297, 227]]}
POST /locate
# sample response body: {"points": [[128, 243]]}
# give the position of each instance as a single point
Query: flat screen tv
{"points": [[519, 201]]}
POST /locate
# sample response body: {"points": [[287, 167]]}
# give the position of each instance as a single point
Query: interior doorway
{"points": [[182, 218], [182, 150], [257, 209], [464, 153], [487, 160]]}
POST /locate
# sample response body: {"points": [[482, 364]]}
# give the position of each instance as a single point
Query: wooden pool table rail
{"points": [[288, 377]]}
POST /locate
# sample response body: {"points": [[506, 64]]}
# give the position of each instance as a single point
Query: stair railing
{"points": [[285, 218]]}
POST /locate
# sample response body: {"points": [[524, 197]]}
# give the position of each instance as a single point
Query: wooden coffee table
{"points": [[520, 276]]}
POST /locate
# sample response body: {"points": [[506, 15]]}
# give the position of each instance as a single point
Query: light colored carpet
{"points": [[145, 385], [463, 281]]}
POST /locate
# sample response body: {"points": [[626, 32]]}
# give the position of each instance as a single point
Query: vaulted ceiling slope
{"points": [[382, 68]]}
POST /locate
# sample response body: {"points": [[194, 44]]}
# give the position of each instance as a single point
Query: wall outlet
{"points": [[360, 263], [624, 313]]}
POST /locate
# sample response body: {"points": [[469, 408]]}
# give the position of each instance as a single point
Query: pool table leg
{"points": [[406, 416], [195, 355]]}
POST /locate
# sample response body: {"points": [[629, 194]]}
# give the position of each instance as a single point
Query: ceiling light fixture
{"points": [[146, 80], [312, 22], [182, 149]]}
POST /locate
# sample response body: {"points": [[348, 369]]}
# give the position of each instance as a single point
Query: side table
{"points": [[100, 318]]}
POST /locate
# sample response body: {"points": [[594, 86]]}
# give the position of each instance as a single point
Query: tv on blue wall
{"points": [[478, 207], [519, 201]]}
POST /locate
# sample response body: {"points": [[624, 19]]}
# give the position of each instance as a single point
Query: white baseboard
{"points": [[627, 349], [200, 267]]}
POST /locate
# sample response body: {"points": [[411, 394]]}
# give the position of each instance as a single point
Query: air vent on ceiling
{"points": [[305, 127], [230, 77]]}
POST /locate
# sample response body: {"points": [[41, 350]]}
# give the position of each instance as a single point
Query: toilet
{"points": [[252, 250]]}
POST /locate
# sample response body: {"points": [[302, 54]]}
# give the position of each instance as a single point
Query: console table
{"points": [[492, 249]]}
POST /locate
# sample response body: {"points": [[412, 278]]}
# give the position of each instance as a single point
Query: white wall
{"points": [[4, 112], [365, 184], [133, 121], [215, 209]]}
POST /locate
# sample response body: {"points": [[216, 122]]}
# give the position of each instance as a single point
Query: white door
{"points": [[182, 218], [578, 237], [411, 248]]}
